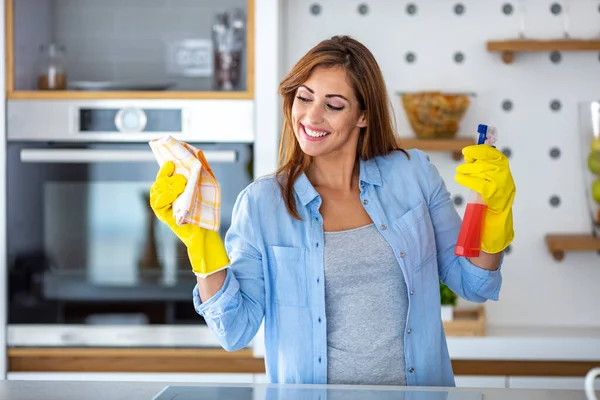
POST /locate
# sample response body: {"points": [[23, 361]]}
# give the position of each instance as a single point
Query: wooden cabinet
{"points": [[121, 49]]}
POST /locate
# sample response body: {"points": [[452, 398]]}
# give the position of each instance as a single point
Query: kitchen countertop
{"points": [[52, 390], [500, 343]]}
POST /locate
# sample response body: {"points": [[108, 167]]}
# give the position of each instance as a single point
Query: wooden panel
{"points": [[133, 360], [9, 42], [522, 368], [115, 94], [559, 244]]}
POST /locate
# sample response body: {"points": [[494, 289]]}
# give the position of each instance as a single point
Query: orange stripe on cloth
{"points": [[200, 203]]}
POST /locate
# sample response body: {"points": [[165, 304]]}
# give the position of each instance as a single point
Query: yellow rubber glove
{"points": [[205, 248], [487, 172]]}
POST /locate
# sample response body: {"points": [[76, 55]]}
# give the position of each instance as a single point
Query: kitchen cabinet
{"points": [[548, 382], [125, 49]]}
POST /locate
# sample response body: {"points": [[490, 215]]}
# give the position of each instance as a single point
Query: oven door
{"points": [[83, 245]]}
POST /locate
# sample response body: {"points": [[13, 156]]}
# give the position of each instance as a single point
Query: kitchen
{"points": [[102, 291]]}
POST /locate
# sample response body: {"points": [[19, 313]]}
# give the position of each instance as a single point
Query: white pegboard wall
{"points": [[441, 45]]}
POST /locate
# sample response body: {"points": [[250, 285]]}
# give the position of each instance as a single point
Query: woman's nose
{"points": [[315, 113]]}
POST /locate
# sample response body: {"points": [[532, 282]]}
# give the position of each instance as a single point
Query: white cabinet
{"points": [[481, 381], [132, 376], [548, 382]]}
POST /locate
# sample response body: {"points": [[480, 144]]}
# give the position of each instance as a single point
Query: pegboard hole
{"points": [[555, 105], [459, 57], [555, 8], [507, 105], [363, 9], [411, 9], [554, 153], [507, 9], [459, 9], [458, 200], [508, 249], [315, 9], [554, 201], [410, 57], [507, 152], [555, 57]]}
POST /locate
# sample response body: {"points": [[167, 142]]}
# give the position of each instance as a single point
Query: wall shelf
{"points": [[558, 244], [453, 146], [508, 48]]}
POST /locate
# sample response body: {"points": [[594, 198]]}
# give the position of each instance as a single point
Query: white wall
{"points": [[537, 290]]}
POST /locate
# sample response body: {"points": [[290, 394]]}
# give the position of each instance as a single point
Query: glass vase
{"points": [[589, 143]]}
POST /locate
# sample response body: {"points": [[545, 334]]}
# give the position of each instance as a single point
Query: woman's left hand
{"points": [[487, 172]]}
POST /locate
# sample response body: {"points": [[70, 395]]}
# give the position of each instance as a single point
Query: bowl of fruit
{"points": [[435, 115]]}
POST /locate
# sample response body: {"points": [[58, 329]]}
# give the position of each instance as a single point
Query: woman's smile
{"points": [[313, 134]]}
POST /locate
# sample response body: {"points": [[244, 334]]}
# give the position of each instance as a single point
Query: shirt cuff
{"points": [[488, 282], [213, 304]]}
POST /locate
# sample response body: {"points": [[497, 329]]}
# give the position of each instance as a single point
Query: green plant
{"points": [[448, 297]]}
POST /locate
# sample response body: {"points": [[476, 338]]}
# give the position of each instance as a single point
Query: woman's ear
{"points": [[362, 120]]}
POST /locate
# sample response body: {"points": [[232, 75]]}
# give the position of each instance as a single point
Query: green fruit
{"points": [[596, 191], [595, 145], [594, 162]]}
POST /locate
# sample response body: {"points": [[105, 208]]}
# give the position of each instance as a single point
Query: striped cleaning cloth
{"points": [[200, 202]]}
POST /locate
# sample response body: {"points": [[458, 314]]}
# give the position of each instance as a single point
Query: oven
{"points": [[83, 245]]}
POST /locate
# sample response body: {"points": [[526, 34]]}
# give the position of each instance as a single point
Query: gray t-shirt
{"points": [[366, 307]]}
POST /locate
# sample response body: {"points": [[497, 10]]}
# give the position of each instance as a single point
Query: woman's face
{"points": [[326, 115]]}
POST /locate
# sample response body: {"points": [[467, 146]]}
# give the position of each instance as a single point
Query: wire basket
{"points": [[435, 115]]}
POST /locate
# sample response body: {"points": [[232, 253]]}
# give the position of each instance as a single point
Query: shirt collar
{"points": [[369, 173]]}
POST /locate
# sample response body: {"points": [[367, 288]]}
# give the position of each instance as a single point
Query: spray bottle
{"points": [[469, 238]]}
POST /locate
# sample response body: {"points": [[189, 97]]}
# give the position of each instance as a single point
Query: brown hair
{"points": [[376, 139]]}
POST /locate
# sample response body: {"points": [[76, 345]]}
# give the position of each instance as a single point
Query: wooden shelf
{"points": [[113, 94], [508, 48], [558, 244], [454, 146]]}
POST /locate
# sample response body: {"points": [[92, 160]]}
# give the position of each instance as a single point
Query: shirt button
{"points": [[319, 280], [401, 254], [317, 244], [383, 227], [412, 292], [409, 330], [320, 361], [410, 370], [365, 202], [319, 319]]}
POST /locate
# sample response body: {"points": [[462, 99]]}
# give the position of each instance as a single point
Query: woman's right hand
{"points": [[205, 248]]}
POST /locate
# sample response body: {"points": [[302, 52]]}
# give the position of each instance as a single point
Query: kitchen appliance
{"points": [[83, 246]]}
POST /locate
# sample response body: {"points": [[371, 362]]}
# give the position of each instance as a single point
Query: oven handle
{"points": [[62, 156]]}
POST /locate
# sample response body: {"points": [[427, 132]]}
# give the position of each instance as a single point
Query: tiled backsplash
{"points": [[125, 39]]}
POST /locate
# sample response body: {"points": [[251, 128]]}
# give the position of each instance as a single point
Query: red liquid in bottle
{"points": [[469, 238]]}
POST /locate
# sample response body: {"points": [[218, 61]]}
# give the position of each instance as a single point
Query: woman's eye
{"points": [[335, 108], [302, 99]]}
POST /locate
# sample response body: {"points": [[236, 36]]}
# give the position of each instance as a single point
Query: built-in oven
{"points": [[83, 245]]}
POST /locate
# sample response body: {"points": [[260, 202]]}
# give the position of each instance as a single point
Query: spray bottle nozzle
{"points": [[487, 135]]}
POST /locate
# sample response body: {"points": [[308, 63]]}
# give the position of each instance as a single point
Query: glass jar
{"points": [[589, 128], [52, 69]]}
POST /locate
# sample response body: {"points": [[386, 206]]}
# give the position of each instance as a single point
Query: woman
{"points": [[341, 251]]}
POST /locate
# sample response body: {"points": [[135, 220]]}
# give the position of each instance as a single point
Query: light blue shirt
{"points": [[276, 270]]}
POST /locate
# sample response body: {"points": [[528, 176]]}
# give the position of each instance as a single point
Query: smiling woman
{"points": [[341, 251]]}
